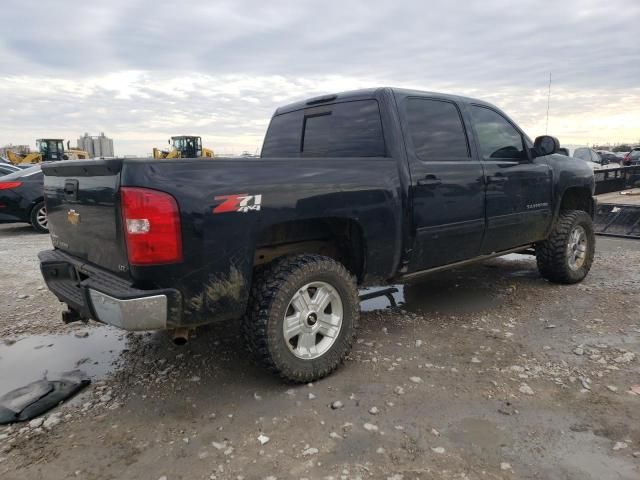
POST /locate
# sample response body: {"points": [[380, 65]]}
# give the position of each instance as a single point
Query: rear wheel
{"points": [[302, 316], [38, 218], [566, 256]]}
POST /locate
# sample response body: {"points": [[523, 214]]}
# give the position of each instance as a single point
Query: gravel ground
{"points": [[486, 372]]}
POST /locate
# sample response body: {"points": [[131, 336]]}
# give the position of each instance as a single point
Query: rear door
{"points": [[518, 188], [447, 191]]}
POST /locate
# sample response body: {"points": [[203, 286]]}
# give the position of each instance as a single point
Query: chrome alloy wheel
{"points": [[313, 320], [577, 247], [41, 218]]}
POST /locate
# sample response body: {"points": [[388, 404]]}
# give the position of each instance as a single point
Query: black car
{"points": [[6, 169], [609, 157], [22, 199]]}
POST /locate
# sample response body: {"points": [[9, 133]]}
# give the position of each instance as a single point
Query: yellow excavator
{"points": [[49, 150], [184, 146]]}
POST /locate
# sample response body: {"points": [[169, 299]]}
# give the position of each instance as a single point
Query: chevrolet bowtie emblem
{"points": [[73, 217]]}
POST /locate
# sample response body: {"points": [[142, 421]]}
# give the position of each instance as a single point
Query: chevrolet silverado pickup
{"points": [[353, 189]]}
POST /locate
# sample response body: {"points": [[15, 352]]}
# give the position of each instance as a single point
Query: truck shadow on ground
{"points": [[216, 354]]}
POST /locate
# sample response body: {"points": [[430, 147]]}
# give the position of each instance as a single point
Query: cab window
{"points": [[498, 139]]}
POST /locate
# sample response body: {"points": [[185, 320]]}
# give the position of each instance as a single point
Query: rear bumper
{"points": [[100, 295]]}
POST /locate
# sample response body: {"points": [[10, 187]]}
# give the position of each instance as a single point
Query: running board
{"points": [[521, 249], [384, 292]]}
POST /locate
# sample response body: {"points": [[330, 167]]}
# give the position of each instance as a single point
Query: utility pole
{"points": [[546, 130]]}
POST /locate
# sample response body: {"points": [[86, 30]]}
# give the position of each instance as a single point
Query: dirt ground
{"points": [[486, 372]]}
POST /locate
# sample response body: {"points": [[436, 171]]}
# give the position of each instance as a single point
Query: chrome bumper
{"points": [[146, 313]]}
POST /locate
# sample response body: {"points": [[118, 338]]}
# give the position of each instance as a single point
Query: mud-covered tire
{"points": [[38, 218], [556, 255], [271, 299]]}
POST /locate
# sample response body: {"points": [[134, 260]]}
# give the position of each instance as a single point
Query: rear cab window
{"points": [[347, 129]]}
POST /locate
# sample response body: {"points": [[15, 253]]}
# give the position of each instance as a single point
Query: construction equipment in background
{"points": [[49, 150], [184, 146]]}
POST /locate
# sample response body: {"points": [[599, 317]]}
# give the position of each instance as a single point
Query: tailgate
{"points": [[84, 213]]}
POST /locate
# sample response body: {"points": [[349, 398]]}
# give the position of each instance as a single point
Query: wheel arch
{"points": [[340, 238]]}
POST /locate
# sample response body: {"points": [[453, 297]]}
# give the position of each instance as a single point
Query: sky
{"points": [[143, 70]]}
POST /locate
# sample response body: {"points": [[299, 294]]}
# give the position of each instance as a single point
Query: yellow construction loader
{"points": [[49, 150], [184, 146]]}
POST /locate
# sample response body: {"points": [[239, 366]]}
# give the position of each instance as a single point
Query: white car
{"points": [[591, 157]]}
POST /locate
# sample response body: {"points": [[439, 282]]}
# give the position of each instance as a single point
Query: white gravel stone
{"points": [[337, 404], [505, 466], [36, 422], [263, 439], [438, 449], [310, 451], [612, 388], [398, 390], [475, 360], [51, 421], [625, 357], [370, 427], [526, 389], [415, 379], [620, 446], [374, 411]]}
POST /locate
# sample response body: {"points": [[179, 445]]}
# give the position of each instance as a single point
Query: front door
{"points": [[518, 188], [447, 191]]}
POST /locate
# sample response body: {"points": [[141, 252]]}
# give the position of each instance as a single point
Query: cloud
{"points": [[144, 70]]}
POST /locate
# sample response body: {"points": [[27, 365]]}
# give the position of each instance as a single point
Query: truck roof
{"points": [[367, 93]]}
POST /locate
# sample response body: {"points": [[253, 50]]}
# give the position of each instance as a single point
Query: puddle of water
{"points": [[39, 356]]}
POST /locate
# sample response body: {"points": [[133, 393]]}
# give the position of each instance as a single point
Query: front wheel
{"points": [[38, 218], [302, 316], [567, 255]]}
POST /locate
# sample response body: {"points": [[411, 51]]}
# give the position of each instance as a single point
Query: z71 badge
{"points": [[240, 202]]}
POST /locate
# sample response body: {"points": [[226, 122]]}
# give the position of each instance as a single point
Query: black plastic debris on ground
{"points": [[38, 397], [618, 220]]}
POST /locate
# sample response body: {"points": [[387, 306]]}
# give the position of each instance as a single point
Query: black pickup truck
{"points": [[358, 188]]}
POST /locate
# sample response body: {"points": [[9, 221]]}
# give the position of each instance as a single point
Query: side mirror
{"points": [[545, 145]]}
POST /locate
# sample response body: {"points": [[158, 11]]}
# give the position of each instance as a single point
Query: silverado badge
{"points": [[73, 217]]}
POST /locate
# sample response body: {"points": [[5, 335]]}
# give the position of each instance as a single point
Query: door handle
{"points": [[429, 181], [497, 179]]}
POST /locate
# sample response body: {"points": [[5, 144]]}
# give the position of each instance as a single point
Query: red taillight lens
{"points": [[9, 185], [151, 225]]}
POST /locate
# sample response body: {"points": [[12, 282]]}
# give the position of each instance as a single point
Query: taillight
{"points": [[152, 226], [9, 185]]}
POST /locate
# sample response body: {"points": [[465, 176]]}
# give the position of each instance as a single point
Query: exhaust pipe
{"points": [[180, 336]]}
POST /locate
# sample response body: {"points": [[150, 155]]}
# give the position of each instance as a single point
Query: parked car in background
{"points": [[6, 169], [632, 158], [22, 198], [610, 157], [592, 158]]}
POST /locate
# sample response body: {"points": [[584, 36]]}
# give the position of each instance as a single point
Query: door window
{"points": [[436, 130], [498, 139]]}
